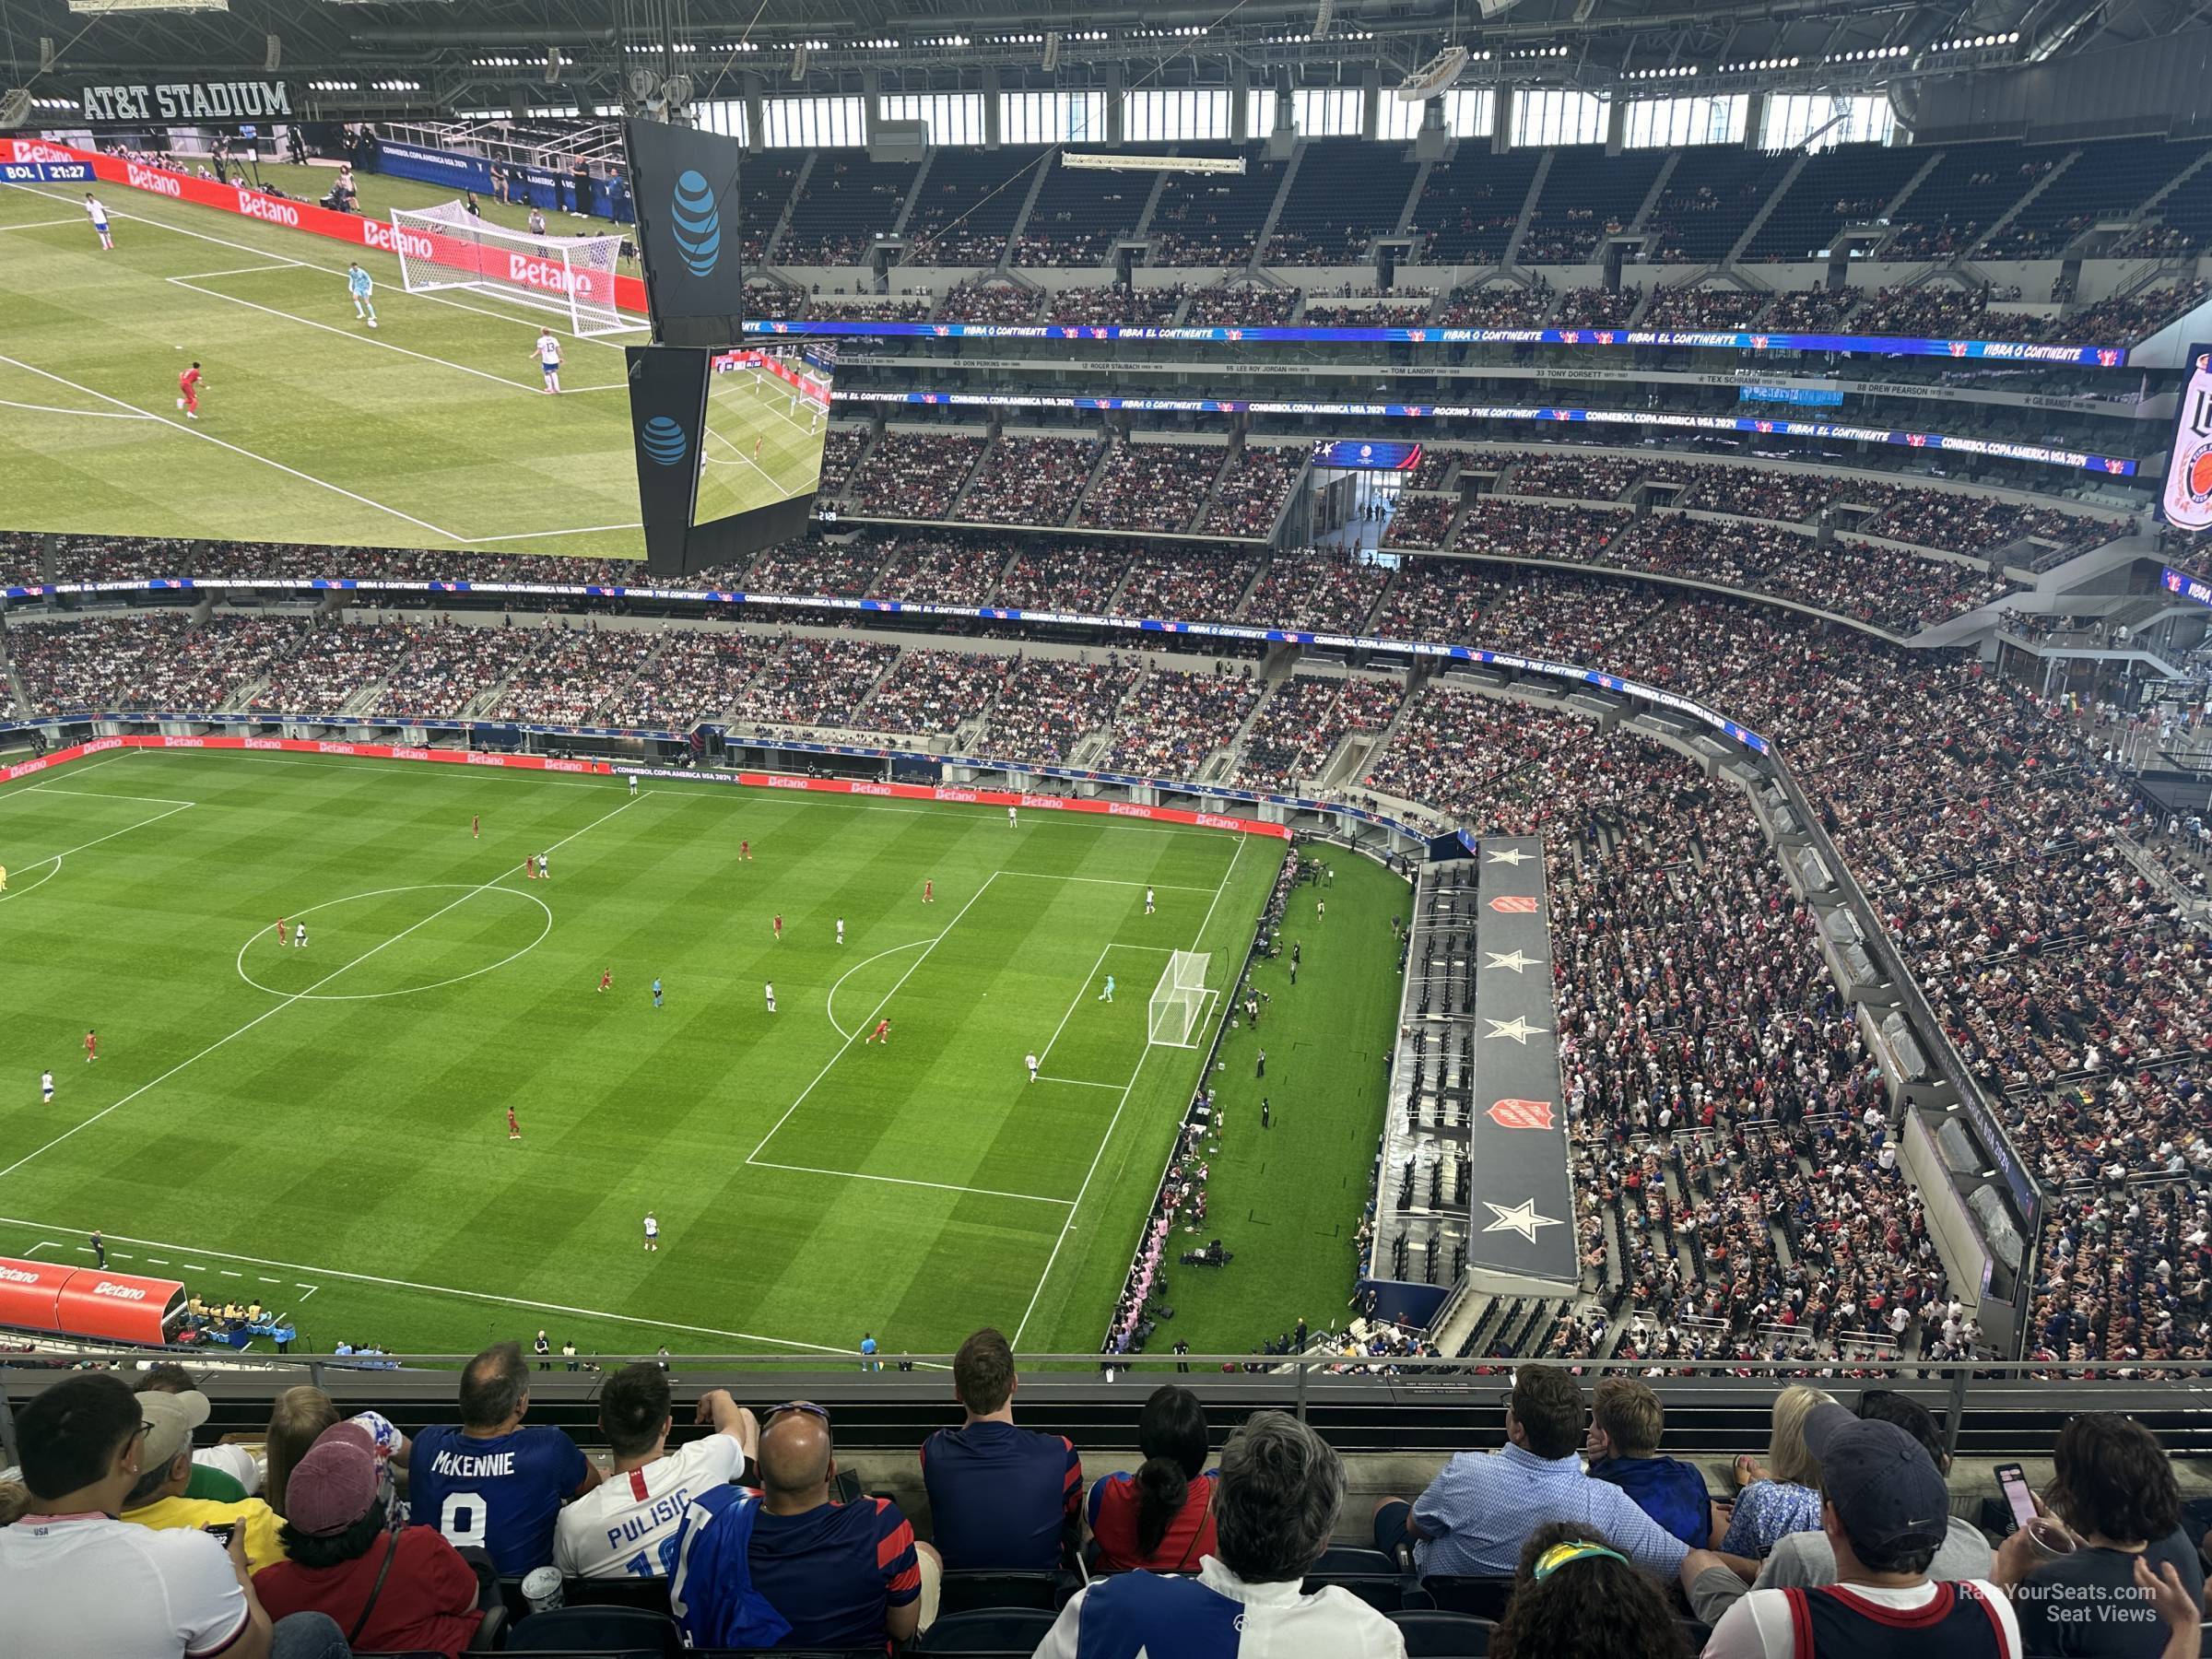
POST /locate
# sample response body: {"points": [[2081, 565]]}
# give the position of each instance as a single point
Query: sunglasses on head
{"points": [[808, 1406], [1559, 1555]]}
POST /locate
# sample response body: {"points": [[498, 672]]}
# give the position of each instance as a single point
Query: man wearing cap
{"points": [[627, 1527], [74, 1580], [159, 1499], [1885, 1510], [389, 1591]]}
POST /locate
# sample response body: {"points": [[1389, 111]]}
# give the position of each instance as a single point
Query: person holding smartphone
{"points": [[2074, 1585]]}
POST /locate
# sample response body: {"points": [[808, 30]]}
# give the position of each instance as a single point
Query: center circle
{"points": [[394, 932]]}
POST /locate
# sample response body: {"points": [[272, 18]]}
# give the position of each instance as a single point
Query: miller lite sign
{"points": [[2187, 495]]}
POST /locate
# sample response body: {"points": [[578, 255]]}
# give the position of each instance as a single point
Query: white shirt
{"points": [[653, 1228], [46, 1081], [1758, 1626], [98, 212], [89, 1584], [1279, 1621], [548, 350], [626, 1526]]}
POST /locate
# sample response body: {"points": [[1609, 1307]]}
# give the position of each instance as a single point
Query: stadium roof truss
{"points": [[486, 52]]}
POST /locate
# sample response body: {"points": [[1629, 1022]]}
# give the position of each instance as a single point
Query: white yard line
{"points": [[941, 1186], [396, 1283], [1080, 1083], [1120, 1105], [55, 859], [367, 762], [6, 403], [1046, 1053], [192, 432], [298, 995], [348, 333], [829, 1002], [277, 265], [98, 795], [45, 224], [1165, 887], [874, 1013], [476, 541]]}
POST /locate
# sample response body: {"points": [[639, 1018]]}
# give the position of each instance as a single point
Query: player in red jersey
{"points": [[606, 982], [515, 1130], [745, 851], [882, 1033], [188, 390], [280, 930], [530, 866], [929, 892], [778, 925], [91, 1046], [475, 827]]}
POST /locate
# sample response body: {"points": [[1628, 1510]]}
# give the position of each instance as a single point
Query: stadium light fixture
{"points": [[102, 8], [1125, 162], [1433, 77]]}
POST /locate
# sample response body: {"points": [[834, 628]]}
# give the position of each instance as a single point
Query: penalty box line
{"points": [[305, 1290], [1122, 1105], [399, 1284], [296, 996]]}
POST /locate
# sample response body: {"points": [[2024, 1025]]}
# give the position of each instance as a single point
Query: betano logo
{"points": [[696, 225], [543, 273], [254, 204], [663, 440], [147, 178]]}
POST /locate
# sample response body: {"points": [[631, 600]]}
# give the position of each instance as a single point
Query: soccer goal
{"points": [[574, 277], [1179, 1001]]}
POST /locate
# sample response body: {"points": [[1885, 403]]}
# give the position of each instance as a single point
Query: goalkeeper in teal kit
{"points": [[360, 286]]}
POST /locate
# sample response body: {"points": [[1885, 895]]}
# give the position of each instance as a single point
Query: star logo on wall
{"points": [[1520, 1219], [1509, 856], [1514, 960], [1517, 1029]]}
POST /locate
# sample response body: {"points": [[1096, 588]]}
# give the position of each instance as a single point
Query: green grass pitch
{"points": [[325, 1128], [432, 430]]}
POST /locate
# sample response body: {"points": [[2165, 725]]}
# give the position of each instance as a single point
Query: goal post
{"points": [[572, 276], [1179, 1001]]}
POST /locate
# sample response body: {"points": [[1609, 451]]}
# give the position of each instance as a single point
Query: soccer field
{"points": [[432, 430], [325, 1128]]}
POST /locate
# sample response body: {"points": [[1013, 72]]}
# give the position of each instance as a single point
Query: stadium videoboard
{"points": [[2186, 496], [1364, 454], [684, 185]]}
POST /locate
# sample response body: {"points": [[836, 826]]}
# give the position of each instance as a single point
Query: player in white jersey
{"points": [[1147, 901], [300, 936], [1029, 1060], [1013, 817], [46, 1087], [770, 991], [358, 285], [547, 352], [841, 930], [653, 1231], [97, 211], [627, 1526]]}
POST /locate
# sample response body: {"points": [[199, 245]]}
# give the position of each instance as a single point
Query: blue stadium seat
{"points": [[1482, 1597], [1433, 1635], [631, 1633], [987, 1630], [971, 1592]]}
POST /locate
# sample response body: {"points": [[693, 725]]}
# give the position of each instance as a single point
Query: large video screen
{"points": [[767, 420]]}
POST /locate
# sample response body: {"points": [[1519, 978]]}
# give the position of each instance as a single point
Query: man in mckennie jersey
{"points": [[360, 286], [548, 350], [492, 1482], [627, 1528]]}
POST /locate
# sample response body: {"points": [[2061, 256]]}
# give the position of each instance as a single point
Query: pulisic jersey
{"points": [[501, 1494], [625, 1527]]}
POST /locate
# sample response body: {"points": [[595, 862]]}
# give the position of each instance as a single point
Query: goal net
{"points": [[1179, 1000], [572, 277]]}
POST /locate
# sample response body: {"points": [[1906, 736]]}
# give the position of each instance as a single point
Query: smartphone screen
{"points": [[2012, 1480], [220, 1532]]}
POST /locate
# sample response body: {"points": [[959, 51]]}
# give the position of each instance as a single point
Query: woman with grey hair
{"points": [[1281, 1486]]}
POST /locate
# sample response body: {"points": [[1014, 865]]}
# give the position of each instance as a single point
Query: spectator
{"points": [[406, 1590], [1161, 1518], [1885, 1509], [1476, 1515], [1780, 1497], [1806, 1560], [1583, 1599], [792, 1566], [75, 1580], [158, 1500], [2115, 1491], [999, 1497], [225, 1472], [298, 1420], [1625, 1422], [627, 1527], [492, 1482], [1281, 1489]]}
